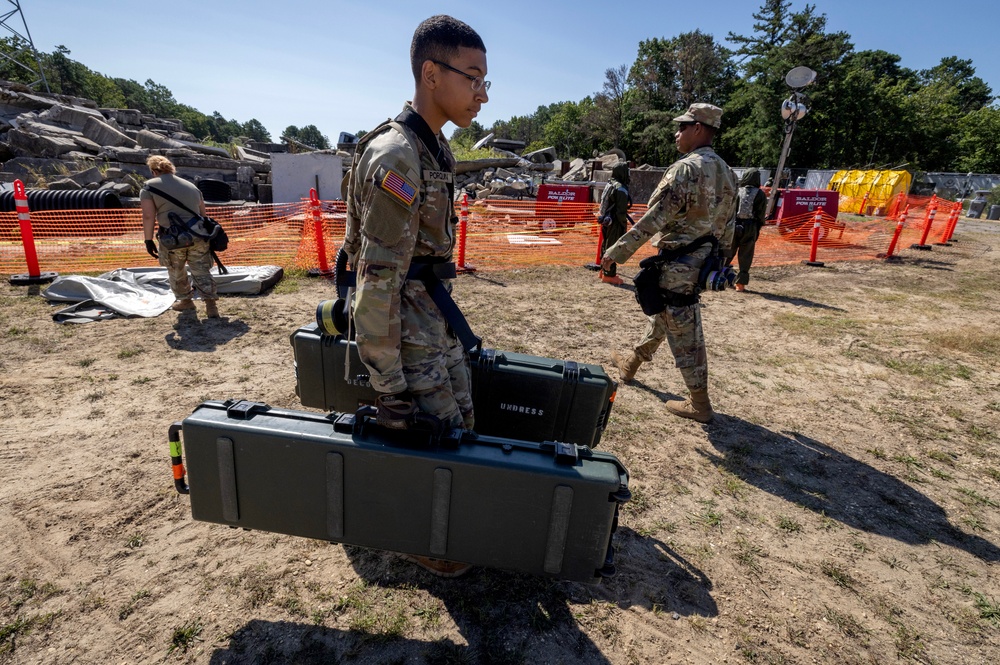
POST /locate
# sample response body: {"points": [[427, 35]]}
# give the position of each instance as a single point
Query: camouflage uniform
{"points": [[199, 257], [400, 211], [613, 215], [695, 197]]}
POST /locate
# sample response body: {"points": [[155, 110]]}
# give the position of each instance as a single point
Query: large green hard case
{"points": [[539, 508], [515, 395]]}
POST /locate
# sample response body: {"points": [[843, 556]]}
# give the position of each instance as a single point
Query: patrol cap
{"points": [[706, 114]]}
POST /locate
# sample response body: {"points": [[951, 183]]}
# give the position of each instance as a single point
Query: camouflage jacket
{"points": [[695, 197], [399, 209]]}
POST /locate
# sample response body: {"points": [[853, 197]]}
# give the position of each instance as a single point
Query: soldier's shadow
{"points": [[203, 335], [820, 478], [795, 300]]}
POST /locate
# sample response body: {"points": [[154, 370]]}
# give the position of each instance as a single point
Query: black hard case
{"points": [[515, 395], [523, 506]]}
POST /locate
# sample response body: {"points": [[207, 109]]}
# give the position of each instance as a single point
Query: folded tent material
{"points": [[142, 292]]}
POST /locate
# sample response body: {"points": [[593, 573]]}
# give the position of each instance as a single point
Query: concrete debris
{"points": [[60, 141], [103, 133], [65, 142], [65, 184], [149, 139]]}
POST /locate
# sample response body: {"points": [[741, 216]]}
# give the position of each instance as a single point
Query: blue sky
{"points": [[344, 66]]}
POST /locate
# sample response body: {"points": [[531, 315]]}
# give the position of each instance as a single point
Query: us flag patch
{"points": [[398, 187]]}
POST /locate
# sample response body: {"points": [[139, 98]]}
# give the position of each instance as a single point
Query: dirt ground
{"points": [[842, 508]]}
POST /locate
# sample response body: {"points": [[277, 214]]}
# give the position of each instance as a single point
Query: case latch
{"points": [[244, 409], [567, 453]]}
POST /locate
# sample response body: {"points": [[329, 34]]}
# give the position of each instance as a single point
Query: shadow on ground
{"points": [[203, 335], [504, 618], [809, 473], [793, 300]]}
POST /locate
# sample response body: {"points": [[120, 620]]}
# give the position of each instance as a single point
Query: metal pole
{"points": [[789, 128]]}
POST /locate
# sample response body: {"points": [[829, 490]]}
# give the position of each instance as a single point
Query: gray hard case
{"points": [[515, 395], [541, 508]]}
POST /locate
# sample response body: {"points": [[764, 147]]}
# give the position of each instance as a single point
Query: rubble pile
{"points": [[60, 142]]}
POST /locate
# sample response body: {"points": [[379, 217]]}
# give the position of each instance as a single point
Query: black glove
{"points": [[151, 249], [395, 411]]}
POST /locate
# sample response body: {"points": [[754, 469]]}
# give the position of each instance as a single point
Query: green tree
{"points": [[566, 129], [781, 40], [308, 135], [611, 108], [865, 119], [135, 95], [254, 130], [466, 137], [979, 141], [667, 76]]}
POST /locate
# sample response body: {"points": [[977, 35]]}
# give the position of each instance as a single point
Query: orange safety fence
{"points": [[500, 235], [918, 205]]}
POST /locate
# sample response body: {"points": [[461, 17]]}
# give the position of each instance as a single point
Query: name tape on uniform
{"points": [[438, 176]]}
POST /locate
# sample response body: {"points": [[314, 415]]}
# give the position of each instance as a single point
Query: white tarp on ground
{"points": [[143, 292]]}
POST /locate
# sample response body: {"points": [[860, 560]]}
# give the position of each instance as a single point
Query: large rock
{"points": [[152, 140], [207, 149], [93, 174], [23, 166], [104, 134], [77, 156], [65, 184], [124, 117], [164, 125], [29, 144], [190, 158], [126, 155], [244, 182], [84, 143], [30, 122], [71, 116]]}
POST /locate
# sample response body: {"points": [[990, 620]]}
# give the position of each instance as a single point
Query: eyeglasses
{"points": [[477, 81], [681, 126]]}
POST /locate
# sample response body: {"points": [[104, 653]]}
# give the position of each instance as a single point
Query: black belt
{"points": [[431, 272]]}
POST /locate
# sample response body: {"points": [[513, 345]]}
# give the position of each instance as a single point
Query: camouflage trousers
{"points": [[199, 258], [435, 364], [681, 327]]}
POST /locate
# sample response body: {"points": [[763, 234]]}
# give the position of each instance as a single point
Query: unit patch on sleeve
{"points": [[396, 185]]}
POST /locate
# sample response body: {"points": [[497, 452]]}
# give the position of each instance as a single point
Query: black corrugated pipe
{"points": [[62, 199]]}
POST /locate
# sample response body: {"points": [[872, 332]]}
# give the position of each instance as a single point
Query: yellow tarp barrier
{"points": [[881, 187]]}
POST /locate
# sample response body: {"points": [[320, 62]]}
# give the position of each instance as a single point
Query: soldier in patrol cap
{"points": [[695, 197], [400, 215]]}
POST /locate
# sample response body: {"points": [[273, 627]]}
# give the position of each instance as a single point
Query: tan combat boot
{"points": [[211, 308], [698, 407], [626, 366], [182, 305]]}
